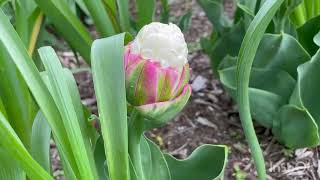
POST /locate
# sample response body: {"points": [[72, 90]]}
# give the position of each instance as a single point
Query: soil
{"points": [[211, 116]]}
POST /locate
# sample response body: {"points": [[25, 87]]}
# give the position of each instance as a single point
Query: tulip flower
{"points": [[157, 71]]}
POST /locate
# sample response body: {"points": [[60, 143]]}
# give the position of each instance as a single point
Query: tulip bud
{"points": [[157, 72]]}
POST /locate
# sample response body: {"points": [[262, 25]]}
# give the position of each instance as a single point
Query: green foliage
{"points": [[282, 77]]}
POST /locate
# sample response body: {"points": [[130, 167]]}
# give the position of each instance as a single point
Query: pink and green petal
{"points": [[161, 112], [184, 80], [148, 84]]}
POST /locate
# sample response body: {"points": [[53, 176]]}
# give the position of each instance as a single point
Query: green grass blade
{"points": [[109, 84], [123, 10], [12, 144], [40, 141], [146, 10], [100, 17], [68, 25], [112, 5], [15, 49], [62, 97], [16, 98], [247, 53]]}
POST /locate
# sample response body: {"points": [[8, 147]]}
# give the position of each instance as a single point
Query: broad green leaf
{"points": [[307, 32], [157, 164], [15, 49], [228, 44], [246, 56], [109, 83], [214, 10], [146, 11], [185, 21], [308, 76], [280, 52], [288, 127], [124, 14], [40, 141], [68, 25], [100, 17], [269, 90], [71, 112], [316, 39], [206, 162], [14, 147]]}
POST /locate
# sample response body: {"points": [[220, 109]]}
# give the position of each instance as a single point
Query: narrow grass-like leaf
{"points": [[62, 97], [12, 144], [23, 12], [112, 5], [246, 56], [146, 10], [9, 168], [40, 141], [123, 10], [100, 17], [68, 25], [109, 84], [15, 49], [16, 98]]}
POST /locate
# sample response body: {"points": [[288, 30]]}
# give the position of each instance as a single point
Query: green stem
{"points": [[135, 135], [246, 56]]}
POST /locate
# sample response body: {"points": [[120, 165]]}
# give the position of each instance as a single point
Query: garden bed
{"points": [[210, 117]]}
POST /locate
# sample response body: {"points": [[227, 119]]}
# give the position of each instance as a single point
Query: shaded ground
{"points": [[210, 117]]}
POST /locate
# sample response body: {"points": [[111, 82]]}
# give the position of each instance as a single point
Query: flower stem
{"points": [[135, 134]]}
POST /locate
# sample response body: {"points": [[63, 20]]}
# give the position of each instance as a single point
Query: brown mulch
{"points": [[211, 116]]}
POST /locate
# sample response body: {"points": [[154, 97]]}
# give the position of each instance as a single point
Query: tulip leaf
{"points": [[107, 69], [124, 17], [68, 25], [146, 11], [185, 21], [214, 10], [228, 44], [288, 127], [15, 49], [70, 110], [206, 162], [16, 98], [155, 166], [9, 168], [100, 17], [308, 75], [316, 39], [12, 145], [276, 81], [100, 159], [307, 32], [40, 141], [269, 90], [280, 52]]}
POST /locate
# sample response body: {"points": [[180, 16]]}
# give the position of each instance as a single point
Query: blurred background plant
{"points": [[36, 21], [35, 106], [284, 73]]}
